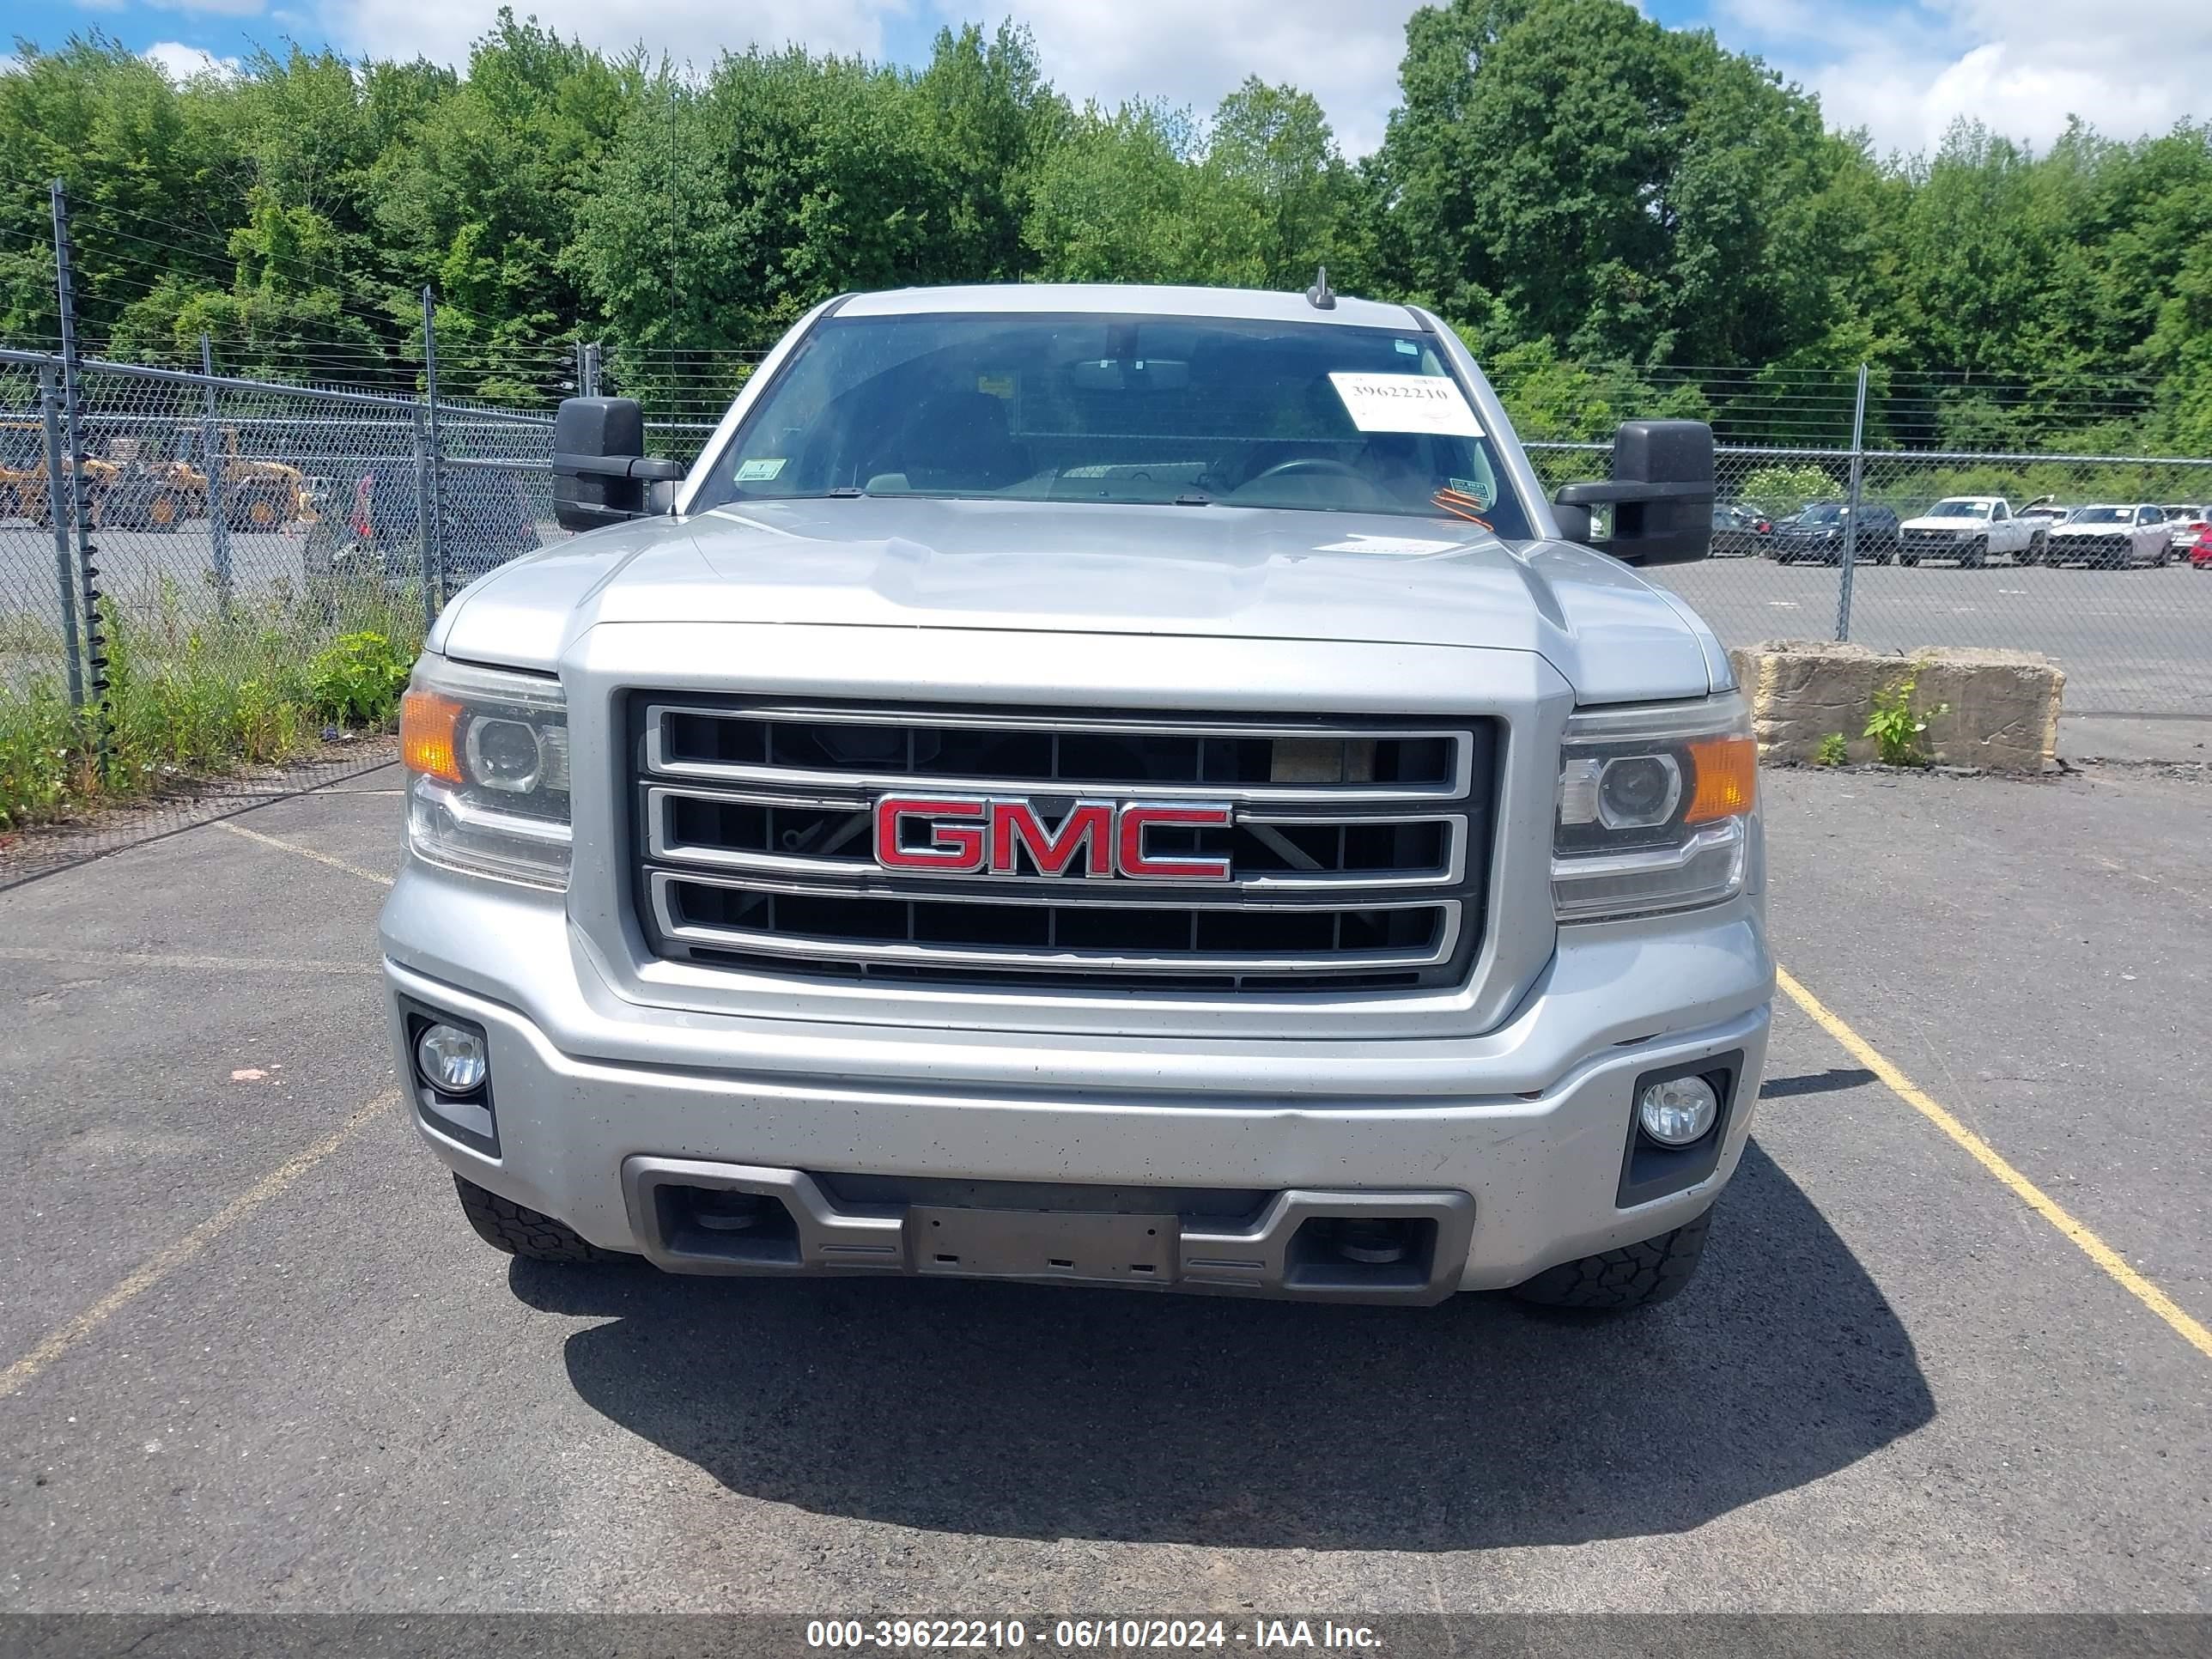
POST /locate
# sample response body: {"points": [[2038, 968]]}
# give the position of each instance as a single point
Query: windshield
{"points": [[1960, 510], [2105, 515], [1823, 512], [1161, 411]]}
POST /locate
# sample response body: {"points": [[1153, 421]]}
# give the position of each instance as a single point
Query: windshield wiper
{"points": [[1193, 498], [843, 492]]}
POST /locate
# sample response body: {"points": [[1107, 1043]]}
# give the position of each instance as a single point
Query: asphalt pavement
{"points": [[251, 1357]]}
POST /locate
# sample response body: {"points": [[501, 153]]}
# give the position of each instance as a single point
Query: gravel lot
{"points": [[255, 1359]]}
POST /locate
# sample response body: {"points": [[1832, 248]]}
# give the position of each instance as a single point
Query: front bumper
{"points": [[1520, 1134]]}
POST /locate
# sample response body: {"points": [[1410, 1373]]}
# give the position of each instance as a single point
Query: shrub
{"points": [[357, 679]]}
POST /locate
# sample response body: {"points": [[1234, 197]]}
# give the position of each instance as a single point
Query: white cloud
{"points": [[696, 30], [2021, 67], [182, 62], [1190, 51], [220, 8], [1346, 53]]}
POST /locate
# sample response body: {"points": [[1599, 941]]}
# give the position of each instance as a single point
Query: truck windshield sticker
{"points": [[759, 471], [1405, 403]]}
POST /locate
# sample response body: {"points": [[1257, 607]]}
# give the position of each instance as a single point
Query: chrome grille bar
{"points": [[755, 841]]}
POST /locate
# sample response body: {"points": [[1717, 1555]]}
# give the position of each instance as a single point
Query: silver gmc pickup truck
{"points": [[1120, 786]]}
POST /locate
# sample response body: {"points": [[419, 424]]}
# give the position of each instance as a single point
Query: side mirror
{"points": [[1662, 495], [600, 469]]}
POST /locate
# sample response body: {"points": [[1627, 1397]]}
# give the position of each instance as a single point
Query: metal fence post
{"points": [[424, 545], [218, 510], [588, 384], [1851, 519], [88, 573], [58, 515], [436, 455]]}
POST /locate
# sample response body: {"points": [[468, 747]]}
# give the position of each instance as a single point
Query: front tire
{"points": [[1634, 1276], [1976, 556], [521, 1231]]}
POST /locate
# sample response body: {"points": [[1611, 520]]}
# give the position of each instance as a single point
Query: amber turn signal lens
{"points": [[1726, 783], [428, 740]]}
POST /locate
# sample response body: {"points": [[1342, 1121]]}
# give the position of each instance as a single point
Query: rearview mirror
{"points": [[600, 469], [1662, 495]]}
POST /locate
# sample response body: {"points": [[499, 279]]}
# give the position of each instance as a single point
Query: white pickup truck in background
{"points": [[1970, 528]]}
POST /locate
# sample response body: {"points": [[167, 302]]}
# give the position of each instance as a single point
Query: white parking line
{"points": [[305, 852], [163, 959]]}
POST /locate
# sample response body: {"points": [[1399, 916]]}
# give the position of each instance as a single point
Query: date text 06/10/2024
{"points": [[1087, 1635]]}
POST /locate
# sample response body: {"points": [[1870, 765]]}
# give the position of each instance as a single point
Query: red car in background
{"points": [[2200, 550]]}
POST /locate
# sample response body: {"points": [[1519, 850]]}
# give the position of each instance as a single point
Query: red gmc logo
{"points": [[923, 835]]}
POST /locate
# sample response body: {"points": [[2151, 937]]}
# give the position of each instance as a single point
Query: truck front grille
{"points": [[1358, 850]]}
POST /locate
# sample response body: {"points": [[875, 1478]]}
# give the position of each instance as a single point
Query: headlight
{"points": [[489, 751], [1654, 809]]}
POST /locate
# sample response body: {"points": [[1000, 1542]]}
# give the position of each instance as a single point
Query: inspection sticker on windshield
{"points": [[1406, 403], [759, 471]]}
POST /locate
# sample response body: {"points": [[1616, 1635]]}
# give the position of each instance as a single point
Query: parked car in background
{"points": [[1739, 533], [1816, 535], [2200, 550], [2113, 537], [2185, 524], [2044, 514], [1969, 528]]}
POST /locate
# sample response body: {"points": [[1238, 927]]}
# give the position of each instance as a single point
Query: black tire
{"points": [[1633, 1276], [521, 1231], [1976, 556]]}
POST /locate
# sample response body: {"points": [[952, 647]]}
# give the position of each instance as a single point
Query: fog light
{"points": [[451, 1061], [1678, 1111]]}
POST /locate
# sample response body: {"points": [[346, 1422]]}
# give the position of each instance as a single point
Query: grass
{"points": [[196, 698]]}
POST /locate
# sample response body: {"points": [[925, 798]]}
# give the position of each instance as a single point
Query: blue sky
{"points": [[1902, 69]]}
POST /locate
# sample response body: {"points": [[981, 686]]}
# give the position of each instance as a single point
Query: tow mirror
{"points": [[1660, 494], [601, 473]]}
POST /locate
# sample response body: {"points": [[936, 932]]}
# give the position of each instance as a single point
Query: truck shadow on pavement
{"points": [[1043, 1413]]}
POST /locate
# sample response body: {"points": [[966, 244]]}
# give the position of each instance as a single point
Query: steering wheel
{"points": [[1306, 465]]}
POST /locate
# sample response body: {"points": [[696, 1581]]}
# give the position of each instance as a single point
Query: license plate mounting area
{"points": [[958, 1242]]}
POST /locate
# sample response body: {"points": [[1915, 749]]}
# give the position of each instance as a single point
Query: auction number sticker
{"points": [[1406, 403]]}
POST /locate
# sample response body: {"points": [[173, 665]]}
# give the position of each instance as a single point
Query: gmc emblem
{"points": [[925, 835]]}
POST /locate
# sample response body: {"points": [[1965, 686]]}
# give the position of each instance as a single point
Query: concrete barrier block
{"points": [[1999, 710]]}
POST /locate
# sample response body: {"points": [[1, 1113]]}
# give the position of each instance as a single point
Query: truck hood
{"points": [[1961, 526], [1100, 569]]}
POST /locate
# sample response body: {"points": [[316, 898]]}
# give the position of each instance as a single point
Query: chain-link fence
{"points": [[195, 568], [207, 606], [2085, 558]]}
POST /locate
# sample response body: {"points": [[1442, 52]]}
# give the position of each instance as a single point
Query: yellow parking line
{"points": [[158, 1267], [306, 853], [2191, 1330]]}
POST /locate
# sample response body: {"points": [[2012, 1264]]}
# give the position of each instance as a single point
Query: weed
{"points": [[1832, 750], [192, 696], [357, 679], [1895, 729]]}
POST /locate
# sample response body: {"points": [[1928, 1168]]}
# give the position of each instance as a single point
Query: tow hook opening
{"points": [[754, 1228], [1350, 1252]]}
